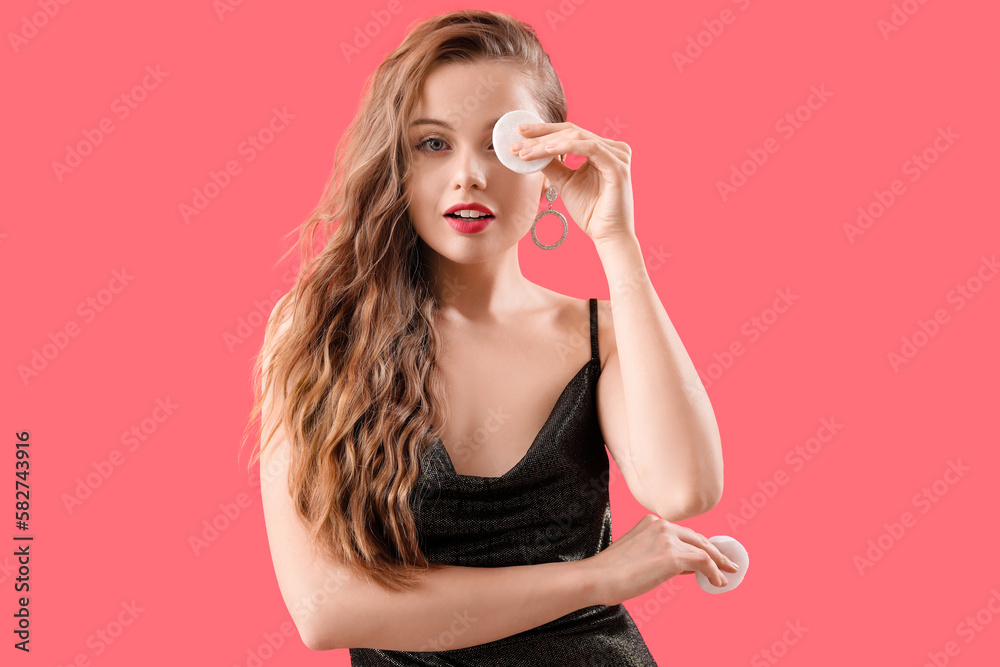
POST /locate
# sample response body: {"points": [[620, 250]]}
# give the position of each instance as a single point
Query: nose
{"points": [[470, 169]]}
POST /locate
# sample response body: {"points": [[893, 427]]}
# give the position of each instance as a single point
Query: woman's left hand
{"points": [[598, 193]]}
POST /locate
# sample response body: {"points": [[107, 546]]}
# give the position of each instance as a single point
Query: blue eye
{"points": [[420, 146], [428, 139]]}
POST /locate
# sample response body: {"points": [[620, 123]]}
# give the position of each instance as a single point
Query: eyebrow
{"points": [[445, 125]]}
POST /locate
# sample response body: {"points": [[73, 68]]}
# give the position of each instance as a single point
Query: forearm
{"points": [[673, 435], [457, 607]]}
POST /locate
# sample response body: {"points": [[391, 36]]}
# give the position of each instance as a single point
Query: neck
{"points": [[489, 290]]}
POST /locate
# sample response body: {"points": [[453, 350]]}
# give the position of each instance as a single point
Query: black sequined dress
{"points": [[553, 505]]}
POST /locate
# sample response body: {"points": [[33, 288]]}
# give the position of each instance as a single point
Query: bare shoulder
{"points": [[282, 312], [573, 311], [283, 306], [278, 324]]}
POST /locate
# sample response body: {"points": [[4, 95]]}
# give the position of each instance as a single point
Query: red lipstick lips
{"points": [[469, 207], [469, 225]]}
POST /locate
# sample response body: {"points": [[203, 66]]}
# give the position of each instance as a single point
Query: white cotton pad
{"points": [[735, 552], [505, 133]]}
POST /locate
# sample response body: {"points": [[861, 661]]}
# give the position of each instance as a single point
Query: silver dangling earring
{"points": [[550, 196]]}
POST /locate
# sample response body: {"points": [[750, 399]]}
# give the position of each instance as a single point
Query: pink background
{"points": [[163, 336]]}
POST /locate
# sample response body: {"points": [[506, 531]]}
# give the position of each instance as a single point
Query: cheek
{"points": [[429, 179], [419, 193], [527, 200]]}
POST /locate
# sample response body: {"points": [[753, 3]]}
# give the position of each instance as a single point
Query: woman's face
{"points": [[457, 165]]}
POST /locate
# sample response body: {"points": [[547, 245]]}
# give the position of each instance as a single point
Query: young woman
{"points": [[433, 463]]}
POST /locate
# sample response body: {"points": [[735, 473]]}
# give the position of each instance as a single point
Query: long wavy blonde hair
{"points": [[355, 363]]}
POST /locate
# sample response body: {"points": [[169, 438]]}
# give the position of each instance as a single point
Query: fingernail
{"points": [[516, 145]]}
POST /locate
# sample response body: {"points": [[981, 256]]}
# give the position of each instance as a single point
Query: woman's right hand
{"points": [[652, 552]]}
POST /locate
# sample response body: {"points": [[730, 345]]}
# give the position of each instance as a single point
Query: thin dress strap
{"points": [[594, 352]]}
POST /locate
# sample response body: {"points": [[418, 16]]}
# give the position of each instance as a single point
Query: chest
{"points": [[502, 392]]}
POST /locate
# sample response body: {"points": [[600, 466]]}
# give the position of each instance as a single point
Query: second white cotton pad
{"points": [[735, 552], [505, 133]]}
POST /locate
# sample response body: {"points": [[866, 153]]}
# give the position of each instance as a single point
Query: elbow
{"points": [[313, 639], [679, 512], [705, 499], [318, 612], [321, 634], [710, 497], [339, 633], [706, 495], [702, 508], [313, 643], [688, 505]]}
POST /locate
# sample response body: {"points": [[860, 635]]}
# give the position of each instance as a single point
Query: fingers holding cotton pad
{"points": [[505, 133], [735, 552]]}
